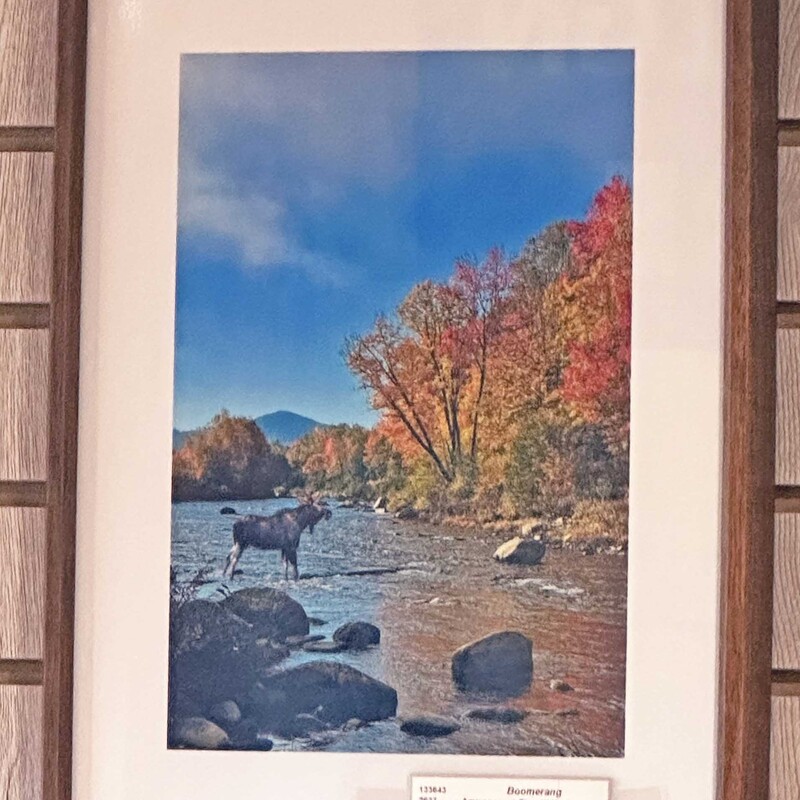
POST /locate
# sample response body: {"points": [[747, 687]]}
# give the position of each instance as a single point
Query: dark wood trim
{"points": [[63, 418], [20, 672], [24, 315], [749, 398], [31, 140], [25, 494], [789, 133], [785, 683], [788, 314], [787, 499]]}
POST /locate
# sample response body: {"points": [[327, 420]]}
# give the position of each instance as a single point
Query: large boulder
{"points": [[213, 654], [520, 551], [332, 692], [357, 635], [199, 734], [501, 663], [272, 613]]}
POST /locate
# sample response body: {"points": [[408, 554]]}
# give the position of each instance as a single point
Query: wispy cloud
{"points": [[251, 223], [283, 156]]}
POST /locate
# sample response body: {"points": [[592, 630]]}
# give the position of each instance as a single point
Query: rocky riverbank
{"points": [[229, 687], [595, 528]]}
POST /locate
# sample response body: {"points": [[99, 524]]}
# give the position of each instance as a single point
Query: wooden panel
{"points": [[748, 447], [786, 595], [27, 62], [23, 405], [787, 447], [789, 223], [26, 226], [22, 536], [789, 102], [27, 140], [21, 672], [21, 751], [785, 751]]}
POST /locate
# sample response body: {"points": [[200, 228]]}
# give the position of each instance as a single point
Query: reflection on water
{"points": [[448, 591]]}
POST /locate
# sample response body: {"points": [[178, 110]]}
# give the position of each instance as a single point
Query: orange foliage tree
{"points": [[230, 458], [426, 369]]}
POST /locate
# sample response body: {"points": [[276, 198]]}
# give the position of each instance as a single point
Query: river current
{"points": [[432, 590]]}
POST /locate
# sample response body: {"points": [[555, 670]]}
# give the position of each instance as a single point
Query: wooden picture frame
{"points": [[749, 401]]}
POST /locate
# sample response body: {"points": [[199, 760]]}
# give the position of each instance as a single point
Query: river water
{"points": [[447, 591]]}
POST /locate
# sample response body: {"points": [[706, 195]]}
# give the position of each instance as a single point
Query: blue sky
{"points": [[316, 189]]}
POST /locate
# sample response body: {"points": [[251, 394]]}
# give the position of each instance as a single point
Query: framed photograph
{"points": [[400, 397]]}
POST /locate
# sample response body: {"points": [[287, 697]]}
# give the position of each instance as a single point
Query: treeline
{"points": [[503, 392], [228, 459]]}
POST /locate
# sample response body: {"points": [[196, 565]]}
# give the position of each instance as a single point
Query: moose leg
{"points": [[293, 561], [285, 562], [233, 559]]}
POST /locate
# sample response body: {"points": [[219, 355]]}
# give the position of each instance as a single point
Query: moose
{"points": [[279, 531]]}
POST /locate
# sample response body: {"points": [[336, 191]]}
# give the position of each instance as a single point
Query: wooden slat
{"points": [[23, 405], [21, 672], [785, 751], [787, 499], [23, 494], [789, 223], [21, 751], [63, 421], [789, 133], [788, 315], [27, 62], [749, 398], [789, 92], [22, 537], [27, 140], [787, 442], [786, 594], [26, 226], [785, 683], [24, 315]]}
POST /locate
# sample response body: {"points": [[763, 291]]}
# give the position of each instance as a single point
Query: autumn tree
{"points": [[230, 458], [427, 368], [597, 314], [331, 459]]}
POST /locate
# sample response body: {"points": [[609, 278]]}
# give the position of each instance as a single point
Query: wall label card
{"points": [[427, 787]]}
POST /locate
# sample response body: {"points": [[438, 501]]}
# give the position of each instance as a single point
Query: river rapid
{"points": [[434, 589]]}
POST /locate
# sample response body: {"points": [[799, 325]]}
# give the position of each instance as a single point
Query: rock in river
{"points": [[431, 727], [357, 635], [227, 510], [272, 613], [501, 663], [318, 646], [199, 734], [225, 714], [334, 693], [520, 551], [501, 714], [213, 654]]}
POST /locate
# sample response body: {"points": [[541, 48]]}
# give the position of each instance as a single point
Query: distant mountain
{"points": [[280, 426], [285, 427]]}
